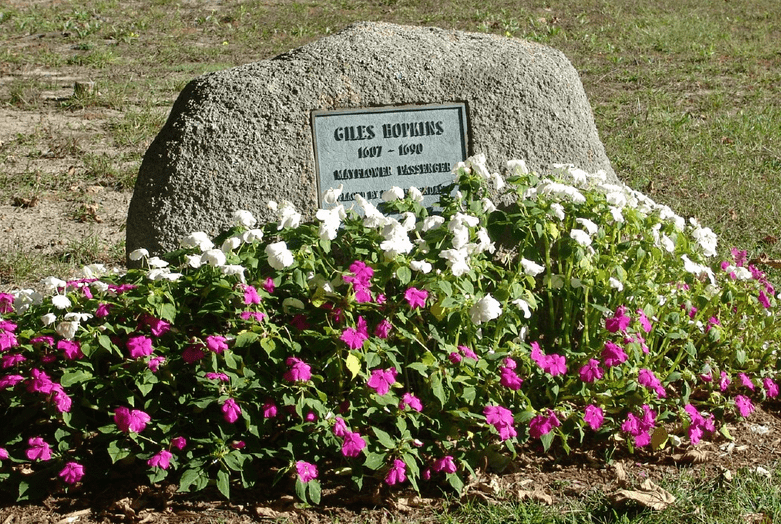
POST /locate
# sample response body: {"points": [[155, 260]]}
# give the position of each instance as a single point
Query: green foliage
{"points": [[394, 347]]}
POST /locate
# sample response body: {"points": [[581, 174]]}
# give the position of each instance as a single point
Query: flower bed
{"points": [[400, 348]]}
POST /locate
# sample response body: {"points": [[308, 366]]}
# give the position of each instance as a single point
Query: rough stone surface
{"points": [[240, 137]]}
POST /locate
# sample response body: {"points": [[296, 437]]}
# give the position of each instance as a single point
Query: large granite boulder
{"points": [[236, 139]]}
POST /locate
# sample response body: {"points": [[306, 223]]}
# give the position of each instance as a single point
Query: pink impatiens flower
{"points": [[416, 298], [155, 363], [103, 310], [231, 411], [269, 409], [250, 295], [216, 343], [6, 302], [593, 416], [382, 379], [70, 348], [139, 346], [178, 443], [383, 329], [9, 381], [746, 381], [268, 285], [397, 473], [72, 472], [645, 324], [9, 360], [500, 418], [222, 377], [468, 353], [591, 371], [446, 464], [646, 378], [542, 425], [131, 420], [40, 382], [412, 401], [306, 471], [613, 354], [158, 326], [193, 353], [640, 427], [299, 370], [744, 405], [355, 337], [38, 449], [553, 364], [353, 444], [619, 321], [160, 460], [699, 424], [724, 382], [508, 377], [771, 388], [340, 427]]}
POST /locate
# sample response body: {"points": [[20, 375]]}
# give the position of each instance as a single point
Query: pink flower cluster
{"points": [[361, 281], [501, 418], [508, 377], [699, 424], [553, 364], [543, 424], [640, 427]]}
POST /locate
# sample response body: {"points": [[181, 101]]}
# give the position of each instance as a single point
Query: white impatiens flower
{"points": [[279, 256], [616, 284], [394, 193], [396, 239], [93, 270], [485, 309], [706, 239], [616, 198], [163, 273], [331, 195], [138, 254], [61, 302], [242, 217], [557, 210], [372, 217], [213, 257], [488, 205], [588, 225], [330, 220], [409, 220], [524, 306], [25, 298], [79, 317], [420, 265], [67, 329], [741, 273], [432, 222], [517, 167], [157, 262], [194, 261], [48, 318], [667, 243], [456, 260], [230, 243], [477, 164], [560, 191], [234, 270], [99, 286], [698, 269], [252, 235], [288, 216], [485, 242], [616, 213], [198, 239], [414, 194], [53, 283], [272, 205], [581, 237], [531, 268]]}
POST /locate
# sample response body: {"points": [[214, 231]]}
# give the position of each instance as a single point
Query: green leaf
{"points": [[384, 438], [547, 440], [224, 483], [420, 367], [455, 482], [188, 478], [145, 388], [724, 430], [116, 453], [353, 364], [404, 274], [245, 338], [374, 460], [70, 378], [659, 438], [437, 389], [300, 490], [167, 312], [268, 345], [313, 487]]}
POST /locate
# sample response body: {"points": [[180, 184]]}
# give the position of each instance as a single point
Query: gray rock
{"points": [[240, 137]]}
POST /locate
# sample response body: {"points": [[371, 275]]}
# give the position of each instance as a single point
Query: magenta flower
{"points": [[594, 416], [256, 315], [646, 378], [619, 321], [383, 329], [269, 409], [744, 405], [591, 371], [412, 401], [7, 325], [353, 444], [397, 473], [510, 379], [6, 303], [306, 471], [746, 381], [11, 359], [446, 464], [763, 300], [613, 354], [38, 449], [699, 424], [340, 427], [130, 421], [3, 454], [250, 295], [509, 363], [7, 340], [159, 327], [553, 364], [61, 399], [231, 411], [299, 370], [416, 297], [712, 322], [70, 348], [161, 460], [155, 363], [72, 472], [361, 275], [542, 425], [724, 382], [268, 285], [39, 383], [382, 379], [454, 357], [193, 353], [771, 388], [238, 444], [500, 418], [310, 417], [139, 346], [216, 343], [355, 337], [640, 427], [9, 381], [222, 377], [645, 324], [468, 353], [46, 339], [103, 310], [178, 443]]}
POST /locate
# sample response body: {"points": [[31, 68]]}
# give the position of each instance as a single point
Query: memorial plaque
{"points": [[372, 150]]}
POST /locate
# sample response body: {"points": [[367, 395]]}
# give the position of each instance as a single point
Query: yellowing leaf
{"points": [[353, 364]]}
